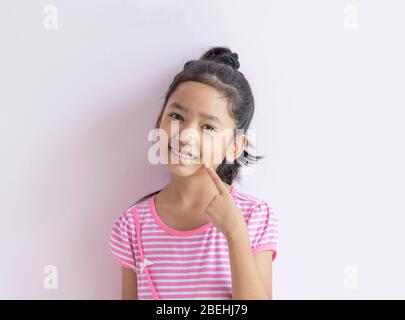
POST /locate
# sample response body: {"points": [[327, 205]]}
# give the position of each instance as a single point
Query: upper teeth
{"points": [[182, 155]]}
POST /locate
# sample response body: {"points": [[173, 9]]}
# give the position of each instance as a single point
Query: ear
{"points": [[237, 145]]}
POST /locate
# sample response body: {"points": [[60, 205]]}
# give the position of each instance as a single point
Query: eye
{"points": [[174, 115], [210, 128]]}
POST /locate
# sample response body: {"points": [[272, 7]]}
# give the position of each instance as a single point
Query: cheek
{"points": [[171, 130], [165, 124], [213, 150]]}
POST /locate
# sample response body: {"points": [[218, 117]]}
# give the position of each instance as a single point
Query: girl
{"points": [[199, 237]]}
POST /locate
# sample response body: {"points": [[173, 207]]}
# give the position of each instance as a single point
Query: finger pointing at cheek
{"points": [[222, 210]]}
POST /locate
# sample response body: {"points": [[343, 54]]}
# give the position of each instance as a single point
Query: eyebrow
{"points": [[208, 116]]}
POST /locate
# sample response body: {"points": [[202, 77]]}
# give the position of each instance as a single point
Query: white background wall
{"points": [[77, 103]]}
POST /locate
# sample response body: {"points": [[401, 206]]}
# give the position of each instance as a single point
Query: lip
{"points": [[195, 157]]}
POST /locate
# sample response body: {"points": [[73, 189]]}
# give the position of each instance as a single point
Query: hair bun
{"points": [[222, 55], [231, 59]]}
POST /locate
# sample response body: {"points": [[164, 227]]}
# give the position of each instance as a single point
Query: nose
{"points": [[189, 136]]}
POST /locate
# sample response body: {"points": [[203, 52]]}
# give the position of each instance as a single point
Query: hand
{"points": [[222, 210]]}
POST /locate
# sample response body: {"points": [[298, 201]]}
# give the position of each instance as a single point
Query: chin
{"points": [[183, 170]]}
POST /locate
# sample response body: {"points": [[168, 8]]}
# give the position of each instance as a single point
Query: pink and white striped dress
{"points": [[192, 264]]}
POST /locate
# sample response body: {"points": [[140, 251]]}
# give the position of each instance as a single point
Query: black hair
{"points": [[218, 68]]}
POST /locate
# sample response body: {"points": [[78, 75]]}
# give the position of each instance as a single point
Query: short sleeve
{"points": [[263, 228], [123, 241]]}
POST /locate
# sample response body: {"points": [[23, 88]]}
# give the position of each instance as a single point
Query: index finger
{"points": [[217, 180]]}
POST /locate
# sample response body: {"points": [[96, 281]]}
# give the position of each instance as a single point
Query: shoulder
{"points": [[140, 206], [250, 204], [124, 228], [261, 221], [128, 216]]}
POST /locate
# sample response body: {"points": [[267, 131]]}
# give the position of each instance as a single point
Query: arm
{"points": [[129, 284], [251, 274]]}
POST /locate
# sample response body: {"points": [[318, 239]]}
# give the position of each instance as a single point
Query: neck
{"points": [[193, 190]]}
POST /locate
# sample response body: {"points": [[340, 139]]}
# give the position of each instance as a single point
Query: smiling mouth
{"points": [[183, 155]]}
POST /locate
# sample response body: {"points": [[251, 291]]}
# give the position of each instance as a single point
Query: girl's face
{"points": [[198, 126]]}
